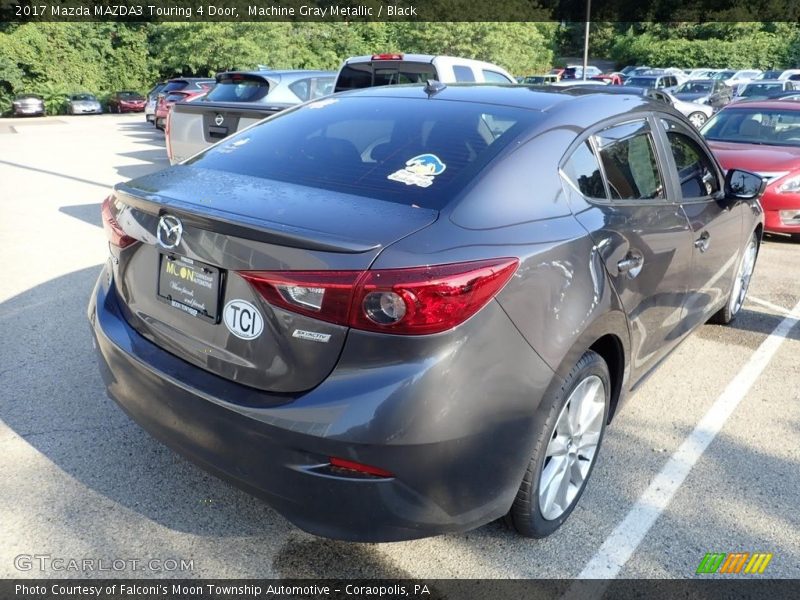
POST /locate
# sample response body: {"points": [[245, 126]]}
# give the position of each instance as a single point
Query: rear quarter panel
{"points": [[559, 300]]}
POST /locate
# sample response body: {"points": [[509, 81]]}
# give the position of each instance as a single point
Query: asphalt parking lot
{"points": [[80, 480]]}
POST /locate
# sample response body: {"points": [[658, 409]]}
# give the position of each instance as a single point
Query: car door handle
{"points": [[632, 265], [703, 241]]}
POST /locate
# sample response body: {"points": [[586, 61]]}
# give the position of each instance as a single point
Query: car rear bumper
{"points": [[28, 112], [458, 458]]}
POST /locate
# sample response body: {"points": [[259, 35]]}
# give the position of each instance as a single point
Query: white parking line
{"points": [[623, 541], [766, 304]]}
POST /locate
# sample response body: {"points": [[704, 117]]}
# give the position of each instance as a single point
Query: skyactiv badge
{"points": [[420, 170]]}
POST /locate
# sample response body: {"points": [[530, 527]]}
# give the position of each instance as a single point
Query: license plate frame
{"points": [[191, 286]]}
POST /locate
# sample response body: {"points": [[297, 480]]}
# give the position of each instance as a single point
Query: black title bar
{"points": [[750, 587], [22, 11]]}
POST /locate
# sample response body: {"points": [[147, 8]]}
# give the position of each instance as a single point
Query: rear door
{"points": [[642, 234], [715, 222]]}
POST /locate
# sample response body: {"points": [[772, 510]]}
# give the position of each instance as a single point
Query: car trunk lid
{"points": [[190, 299]]}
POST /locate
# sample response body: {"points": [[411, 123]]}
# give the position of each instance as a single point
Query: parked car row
{"points": [[82, 103], [240, 99]]}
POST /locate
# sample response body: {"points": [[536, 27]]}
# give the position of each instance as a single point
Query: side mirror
{"points": [[744, 184]]}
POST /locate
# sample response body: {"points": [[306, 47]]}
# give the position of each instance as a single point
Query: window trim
{"points": [[589, 140], [670, 160], [670, 197]]}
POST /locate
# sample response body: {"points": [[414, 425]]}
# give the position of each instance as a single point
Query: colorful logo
{"points": [[734, 563], [420, 170]]}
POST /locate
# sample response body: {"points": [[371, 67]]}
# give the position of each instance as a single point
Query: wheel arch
{"points": [[609, 337]]}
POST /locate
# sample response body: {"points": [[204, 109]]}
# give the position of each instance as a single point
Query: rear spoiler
{"points": [[244, 109]]}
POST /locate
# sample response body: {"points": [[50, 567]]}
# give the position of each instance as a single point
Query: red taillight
{"points": [[388, 56], [415, 301], [116, 235], [324, 295], [352, 465]]}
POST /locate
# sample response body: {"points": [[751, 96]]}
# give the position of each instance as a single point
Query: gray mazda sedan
{"points": [[404, 311]]}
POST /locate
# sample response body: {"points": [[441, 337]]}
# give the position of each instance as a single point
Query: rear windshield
{"points": [[172, 86], [695, 87], [759, 89], [239, 88], [175, 97], [646, 82], [383, 72], [411, 151]]}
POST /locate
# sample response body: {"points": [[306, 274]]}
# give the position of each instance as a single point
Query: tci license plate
{"points": [[190, 286]]}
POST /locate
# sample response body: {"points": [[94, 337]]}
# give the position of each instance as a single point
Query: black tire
{"points": [[727, 313], [525, 515]]}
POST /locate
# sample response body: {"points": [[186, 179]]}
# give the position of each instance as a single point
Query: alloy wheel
{"points": [[698, 119], [742, 282], [572, 447]]}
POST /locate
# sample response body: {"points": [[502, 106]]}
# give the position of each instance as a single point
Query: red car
{"points": [[763, 137], [121, 102], [179, 90], [610, 78]]}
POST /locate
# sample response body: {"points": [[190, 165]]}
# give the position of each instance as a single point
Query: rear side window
{"points": [[627, 153], [583, 170], [383, 72], [239, 89], [410, 151], [463, 73], [494, 77], [312, 88]]}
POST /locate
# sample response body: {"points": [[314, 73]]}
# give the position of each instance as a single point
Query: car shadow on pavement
{"points": [[54, 398], [88, 213], [145, 131], [318, 558], [781, 239], [152, 161], [754, 324]]}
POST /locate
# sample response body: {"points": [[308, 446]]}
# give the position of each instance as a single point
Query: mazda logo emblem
{"points": [[219, 120], [169, 232]]}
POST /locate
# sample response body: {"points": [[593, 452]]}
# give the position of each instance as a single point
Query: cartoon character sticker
{"points": [[420, 170]]}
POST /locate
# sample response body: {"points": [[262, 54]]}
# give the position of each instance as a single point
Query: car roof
{"points": [[787, 104], [702, 80], [265, 73], [584, 108], [420, 58]]}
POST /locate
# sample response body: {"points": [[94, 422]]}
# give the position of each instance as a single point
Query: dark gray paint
{"points": [[453, 415]]}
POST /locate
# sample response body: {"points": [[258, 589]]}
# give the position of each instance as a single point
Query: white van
{"points": [[388, 69]]}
